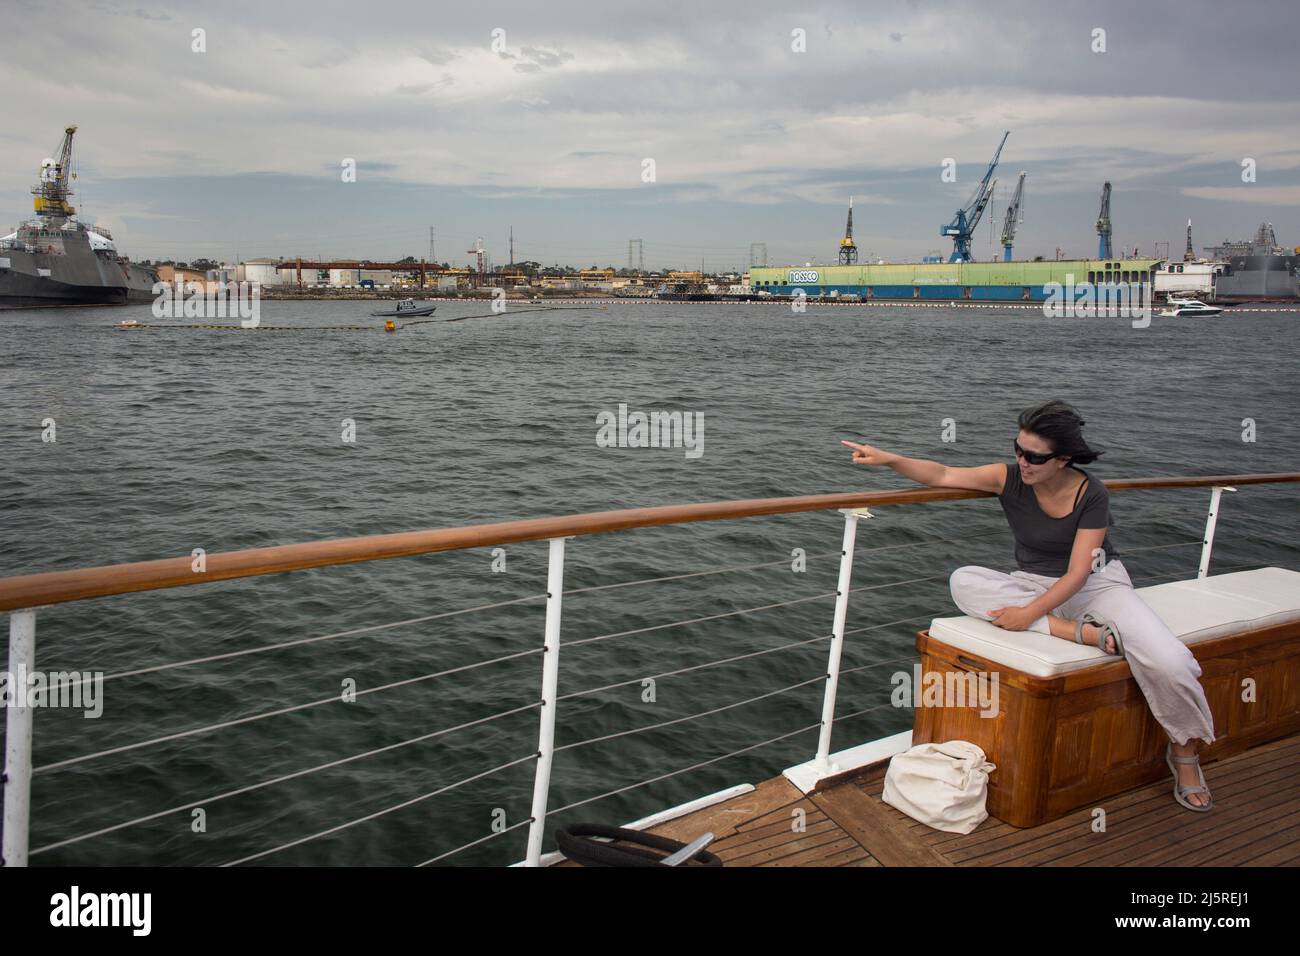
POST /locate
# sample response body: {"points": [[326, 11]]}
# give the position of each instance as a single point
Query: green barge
{"points": [[978, 281]]}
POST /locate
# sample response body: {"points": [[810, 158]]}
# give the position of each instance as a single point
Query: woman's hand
{"points": [[1013, 618], [864, 454]]}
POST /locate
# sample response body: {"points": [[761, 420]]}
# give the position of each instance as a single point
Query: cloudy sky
{"points": [[475, 117]]}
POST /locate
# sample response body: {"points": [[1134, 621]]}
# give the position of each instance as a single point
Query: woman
{"points": [[1071, 584]]}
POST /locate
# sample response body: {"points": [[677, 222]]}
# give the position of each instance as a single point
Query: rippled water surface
{"points": [[171, 440]]}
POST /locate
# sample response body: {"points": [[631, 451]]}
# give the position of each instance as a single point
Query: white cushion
{"points": [[1196, 610]]}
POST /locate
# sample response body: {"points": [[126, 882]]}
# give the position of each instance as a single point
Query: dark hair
{"points": [[1060, 424]]}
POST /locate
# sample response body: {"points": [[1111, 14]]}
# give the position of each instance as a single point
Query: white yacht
{"points": [[1189, 307]]}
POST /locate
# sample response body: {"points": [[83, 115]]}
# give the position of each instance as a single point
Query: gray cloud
{"points": [[537, 59], [744, 131], [438, 57]]}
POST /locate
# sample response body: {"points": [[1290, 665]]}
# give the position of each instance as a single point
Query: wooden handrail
{"points": [[57, 587]]}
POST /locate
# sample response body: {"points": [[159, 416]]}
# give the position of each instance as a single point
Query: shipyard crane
{"points": [[848, 249], [962, 227], [53, 190], [480, 257], [1012, 219], [1103, 225]]}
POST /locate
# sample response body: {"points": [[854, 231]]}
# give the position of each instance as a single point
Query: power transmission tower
{"points": [[431, 259], [512, 245]]}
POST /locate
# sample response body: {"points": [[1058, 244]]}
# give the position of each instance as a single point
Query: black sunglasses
{"points": [[1033, 457]]}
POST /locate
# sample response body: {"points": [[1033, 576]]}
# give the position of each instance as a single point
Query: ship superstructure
{"points": [[1256, 270], [54, 259]]}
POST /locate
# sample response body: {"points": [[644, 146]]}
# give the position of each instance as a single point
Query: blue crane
{"points": [[1013, 218], [1103, 225], [962, 228]]}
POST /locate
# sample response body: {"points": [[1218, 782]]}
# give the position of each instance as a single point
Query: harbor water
{"points": [[167, 441]]}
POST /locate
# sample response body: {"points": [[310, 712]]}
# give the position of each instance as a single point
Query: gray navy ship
{"points": [[1257, 270], [56, 260]]}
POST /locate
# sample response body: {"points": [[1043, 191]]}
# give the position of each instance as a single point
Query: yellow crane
{"points": [[848, 249], [53, 190]]}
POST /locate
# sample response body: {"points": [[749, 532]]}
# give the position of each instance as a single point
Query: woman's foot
{"points": [[1188, 773], [1091, 633], [1063, 628]]}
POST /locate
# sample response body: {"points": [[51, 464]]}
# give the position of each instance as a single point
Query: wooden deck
{"points": [[1255, 822]]}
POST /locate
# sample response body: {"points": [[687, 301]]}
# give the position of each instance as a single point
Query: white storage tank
{"points": [[262, 272]]}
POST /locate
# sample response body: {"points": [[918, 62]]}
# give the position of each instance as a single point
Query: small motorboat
{"points": [[1189, 307], [130, 324], [407, 308]]}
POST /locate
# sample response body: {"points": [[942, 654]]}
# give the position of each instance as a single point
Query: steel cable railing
{"points": [[421, 619], [697, 620], [52, 589], [739, 657], [222, 725], [675, 773], [1183, 574], [901, 620], [696, 766], [708, 713], [625, 789], [153, 669], [875, 664], [695, 574], [782, 562], [373, 628], [689, 717], [379, 813], [705, 763], [1162, 547], [207, 801], [472, 843], [349, 759], [695, 667], [609, 793], [336, 698], [746, 610]]}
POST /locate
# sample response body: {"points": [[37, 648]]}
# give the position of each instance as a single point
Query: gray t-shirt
{"points": [[1043, 543]]}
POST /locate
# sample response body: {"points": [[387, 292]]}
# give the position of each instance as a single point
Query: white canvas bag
{"points": [[944, 785]]}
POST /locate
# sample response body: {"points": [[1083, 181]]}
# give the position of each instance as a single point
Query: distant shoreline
{"points": [[275, 292], [606, 299]]}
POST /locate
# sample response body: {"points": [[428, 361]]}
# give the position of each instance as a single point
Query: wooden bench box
{"points": [[1073, 727]]}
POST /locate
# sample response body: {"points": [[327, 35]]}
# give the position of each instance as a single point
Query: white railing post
{"points": [[837, 633], [18, 738], [1207, 544], [550, 685]]}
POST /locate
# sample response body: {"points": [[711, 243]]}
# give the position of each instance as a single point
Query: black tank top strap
{"points": [[1078, 494]]}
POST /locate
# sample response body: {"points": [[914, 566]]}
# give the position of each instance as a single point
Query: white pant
{"points": [[1165, 670]]}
